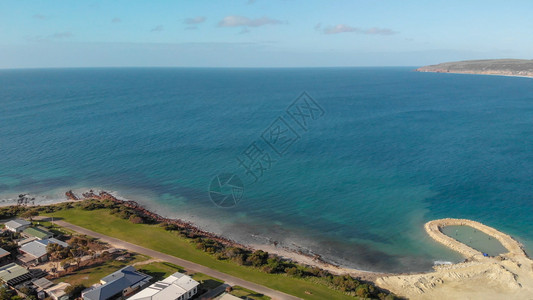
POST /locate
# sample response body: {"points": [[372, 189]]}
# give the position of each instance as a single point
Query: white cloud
{"points": [[240, 21], [195, 20], [380, 31], [341, 28]]}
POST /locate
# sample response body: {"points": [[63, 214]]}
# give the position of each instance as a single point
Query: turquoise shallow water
{"points": [[475, 239], [393, 149]]}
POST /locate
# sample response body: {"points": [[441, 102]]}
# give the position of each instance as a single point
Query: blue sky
{"points": [[261, 33]]}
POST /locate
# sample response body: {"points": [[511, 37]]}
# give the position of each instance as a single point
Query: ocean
{"points": [[350, 170]]}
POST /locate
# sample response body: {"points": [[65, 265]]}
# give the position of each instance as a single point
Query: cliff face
{"points": [[507, 67]]}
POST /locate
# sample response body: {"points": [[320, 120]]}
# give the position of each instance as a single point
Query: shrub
{"points": [[136, 219], [258, 258], [294, 271], [75, 290]]}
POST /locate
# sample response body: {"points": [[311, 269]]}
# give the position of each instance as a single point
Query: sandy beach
{"points": [[507, 276]]}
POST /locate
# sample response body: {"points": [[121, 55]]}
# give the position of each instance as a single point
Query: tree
{"points": [[258, 258], [29, 214], [75, 290], [6, 293]]}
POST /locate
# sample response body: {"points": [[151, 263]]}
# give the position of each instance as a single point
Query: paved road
{"points": [[231, 280]]}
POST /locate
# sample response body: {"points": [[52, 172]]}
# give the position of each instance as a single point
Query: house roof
{"points": [[17, 223], [35, 249], [3, 253], [13, 274], [116, 283], [171, 287], [40, 233], [227, 296], [27, 240], [43, 283], [38, 248], [56, 241], [57, 290]]}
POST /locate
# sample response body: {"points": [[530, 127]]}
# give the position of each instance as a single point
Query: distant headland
{"points": [[504, 67]]}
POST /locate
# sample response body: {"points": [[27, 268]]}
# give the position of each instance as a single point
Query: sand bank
{"points": [[507, 276]]}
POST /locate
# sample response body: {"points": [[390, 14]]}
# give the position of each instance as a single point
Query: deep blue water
{"points": [[393, 149]]}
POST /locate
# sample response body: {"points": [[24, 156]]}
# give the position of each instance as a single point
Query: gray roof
{"points": [[43, 283], [3, 253], [35, 249], [17, 223], [56, 241], [38, 248], [13, 274], [115, 283]]}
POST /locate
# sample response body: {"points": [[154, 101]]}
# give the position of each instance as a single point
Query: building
{"points": [[177, 286], [227, 296], [35, 252], [123, 282], [3, 253], [4, 256], [41, 284], [17, 225], [57, 291], [37, 232], [13, 274]]}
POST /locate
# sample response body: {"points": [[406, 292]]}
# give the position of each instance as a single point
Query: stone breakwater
{"points": [[433, 228], [506, 276]]}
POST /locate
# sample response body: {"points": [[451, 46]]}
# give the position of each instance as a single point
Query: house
{"points": [[3, 253], [4, 256], [227, 296], [35, 252], [13, 274], [37, 232], [42, 284], [57, 291], [121, 283], [26, 240], [177, 286], [17, 225]]}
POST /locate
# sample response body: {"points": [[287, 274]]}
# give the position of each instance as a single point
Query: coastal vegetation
{"points": [[506, 67], [133, 225]]}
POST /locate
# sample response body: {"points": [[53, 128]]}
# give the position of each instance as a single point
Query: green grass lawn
{"points": [[155, 237], [239, 291], [160, 270], [93, 274], [206, 282]]}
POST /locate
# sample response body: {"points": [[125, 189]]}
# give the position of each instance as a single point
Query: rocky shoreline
{"points": [[190, 227]]}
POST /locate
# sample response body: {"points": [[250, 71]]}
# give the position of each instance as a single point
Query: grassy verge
{"points": [[91, 275], [160, 270], [243, 293], [156, 238]]}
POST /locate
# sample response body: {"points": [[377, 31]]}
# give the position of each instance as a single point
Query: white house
{"points": [[17, 225], [177, 286]]}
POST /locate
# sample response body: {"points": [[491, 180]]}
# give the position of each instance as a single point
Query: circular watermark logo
{"points": [[226, 190]]}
